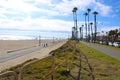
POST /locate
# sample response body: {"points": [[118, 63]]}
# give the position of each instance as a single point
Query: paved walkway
{"points": [[23, 52], [110, 52]]}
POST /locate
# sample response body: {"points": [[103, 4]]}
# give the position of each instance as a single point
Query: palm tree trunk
{"points": [[76, 25], [95, 27], [82, 32], [91, 33], [86, 28]]}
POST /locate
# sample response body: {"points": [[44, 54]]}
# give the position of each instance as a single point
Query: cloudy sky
{"points": [[44, 17]]}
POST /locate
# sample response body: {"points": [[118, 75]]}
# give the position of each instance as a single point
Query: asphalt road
{"points": [[110, 52], [16, 54]]}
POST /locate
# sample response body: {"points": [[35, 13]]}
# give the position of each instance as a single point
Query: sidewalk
{"points": [[110, 52], [37, 54]]}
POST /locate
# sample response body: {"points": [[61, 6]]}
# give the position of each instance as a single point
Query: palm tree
{"points": [[95, 13], [114, 35], [75, 16], [82, 31], [85, 24], [88, 10], [102, 36], [91, 32], [75, 20], [107, 36]]}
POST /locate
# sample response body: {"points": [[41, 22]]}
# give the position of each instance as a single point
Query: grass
{"points": [[104, 66], [39, 70]]}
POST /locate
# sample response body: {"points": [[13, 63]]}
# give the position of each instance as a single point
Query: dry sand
{"points": [[37, 54], [14, 45]]}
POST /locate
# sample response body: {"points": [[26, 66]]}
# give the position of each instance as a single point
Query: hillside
{"points": [[73, 61]]}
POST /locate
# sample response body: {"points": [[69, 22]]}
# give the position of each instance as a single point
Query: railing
{"points": [[9, 74]]}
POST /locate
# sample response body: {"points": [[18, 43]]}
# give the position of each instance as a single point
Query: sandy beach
{"points": [[12, 45], [7, 46]]}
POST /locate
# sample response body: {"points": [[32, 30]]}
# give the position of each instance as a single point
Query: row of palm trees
{"points": [[88, 26]]}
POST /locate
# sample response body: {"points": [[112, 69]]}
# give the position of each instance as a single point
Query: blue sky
{"points": [[54, 17]]}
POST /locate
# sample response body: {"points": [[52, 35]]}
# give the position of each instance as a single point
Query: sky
{"points": [[50, 18]]}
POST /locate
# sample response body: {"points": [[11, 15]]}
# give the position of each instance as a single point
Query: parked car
{"points": [[100, 42], [116, 44], [105, 42], [110, 43]]}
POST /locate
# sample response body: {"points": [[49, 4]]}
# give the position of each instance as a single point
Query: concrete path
{"points": [[41, 53], [110, 52], [23, 52]]}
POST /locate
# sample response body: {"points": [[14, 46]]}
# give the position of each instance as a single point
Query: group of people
{"points": [[45, 45]]}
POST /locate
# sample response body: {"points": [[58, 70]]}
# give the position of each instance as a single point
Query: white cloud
{"points": [[103, 9], [62, 8], [14, 37], [2, 16], [66, 6], [18, 5], [48, 2], [37, 24], [108, 28]]}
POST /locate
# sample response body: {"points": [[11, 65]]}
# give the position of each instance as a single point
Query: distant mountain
{"points": [[14, 37]]}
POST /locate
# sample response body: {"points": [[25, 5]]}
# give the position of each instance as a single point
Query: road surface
{"points": [[110, 52], [16, 54]]}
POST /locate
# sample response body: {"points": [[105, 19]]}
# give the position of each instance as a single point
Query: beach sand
{"points": [[7, 46], [44, 52]]}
